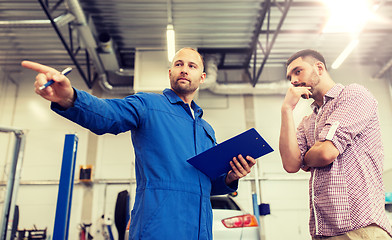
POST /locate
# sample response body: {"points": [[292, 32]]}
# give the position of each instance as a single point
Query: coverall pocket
{"points": [[175, 215]]}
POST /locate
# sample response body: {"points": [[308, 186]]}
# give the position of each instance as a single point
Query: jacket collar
{"points": [[175, 99]]}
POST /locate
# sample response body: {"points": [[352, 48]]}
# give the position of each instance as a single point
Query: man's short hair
{"points": [[307, 53]]}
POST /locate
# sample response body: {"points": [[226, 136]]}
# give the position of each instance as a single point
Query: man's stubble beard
{"points": [[183, 89]]}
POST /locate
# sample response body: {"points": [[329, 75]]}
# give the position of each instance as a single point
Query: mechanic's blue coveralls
{"points": [[172, 197]]}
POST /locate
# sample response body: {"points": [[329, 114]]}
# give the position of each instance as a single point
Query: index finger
{"points": [[38, 67]]}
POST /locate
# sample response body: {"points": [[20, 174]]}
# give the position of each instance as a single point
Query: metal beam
{"points": [[268, 45], [265, 7], [88, 81], [223, 52], [271, 44]]}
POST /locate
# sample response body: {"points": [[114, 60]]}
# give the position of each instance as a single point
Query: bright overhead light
{"points": [[347, 15], [171, 42], [340, 59]]}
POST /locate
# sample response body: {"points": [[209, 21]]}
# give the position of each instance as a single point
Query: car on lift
{"points": [[230, 221]]}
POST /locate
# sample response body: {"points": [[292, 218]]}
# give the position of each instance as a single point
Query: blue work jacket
{"points": [[172, 197]]}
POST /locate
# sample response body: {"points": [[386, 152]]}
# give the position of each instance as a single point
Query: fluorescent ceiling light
{"points": [[340, 59], [347, 15], [171, 42]]}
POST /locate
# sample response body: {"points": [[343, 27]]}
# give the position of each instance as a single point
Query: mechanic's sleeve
{"points": [[104, 115], [219, 186]]}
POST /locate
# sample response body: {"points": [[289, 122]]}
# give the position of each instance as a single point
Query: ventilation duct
{"points": [[91, 46], [107, 53], [273, 88], [85, 34]]}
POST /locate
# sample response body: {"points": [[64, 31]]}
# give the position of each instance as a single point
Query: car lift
{"points": [[7, 217], [64, 197]]}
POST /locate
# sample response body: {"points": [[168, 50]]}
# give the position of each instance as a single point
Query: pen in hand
{"points": [[64, 72]]}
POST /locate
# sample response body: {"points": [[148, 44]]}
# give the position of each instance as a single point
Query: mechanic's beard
{"points": [[181, 89]]}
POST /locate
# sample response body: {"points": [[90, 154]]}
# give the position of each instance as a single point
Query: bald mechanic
{"points": [[172, 197]]}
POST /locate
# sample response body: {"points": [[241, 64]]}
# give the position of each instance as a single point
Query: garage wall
{"points": [[286, 193]]}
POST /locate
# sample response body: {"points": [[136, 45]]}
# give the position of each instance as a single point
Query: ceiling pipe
{"points": [[273, 88], [91, 46], [106, 52], [211, 84], [85, 34], [109, 88]]}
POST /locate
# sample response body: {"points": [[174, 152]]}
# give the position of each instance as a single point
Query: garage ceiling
{"points": [[248, 34]]}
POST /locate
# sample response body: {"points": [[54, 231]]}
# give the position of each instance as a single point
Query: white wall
{"points": [[286, 193]]}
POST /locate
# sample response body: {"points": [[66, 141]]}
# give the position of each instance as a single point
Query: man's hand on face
{"points": [[293, 96]]}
